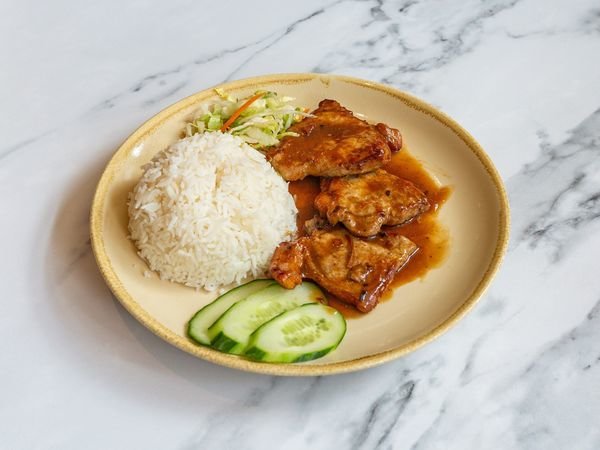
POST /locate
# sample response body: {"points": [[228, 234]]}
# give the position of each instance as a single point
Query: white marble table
{"points": [[522, 371]]}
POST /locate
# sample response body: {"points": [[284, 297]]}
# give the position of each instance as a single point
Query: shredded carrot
{"points": [[240, 110]]}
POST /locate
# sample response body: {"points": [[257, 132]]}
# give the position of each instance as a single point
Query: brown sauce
{"points": [[304, 193], [348, 311], [425, 231]]}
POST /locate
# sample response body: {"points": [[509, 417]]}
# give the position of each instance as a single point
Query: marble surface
{"points": [[521, 371]]}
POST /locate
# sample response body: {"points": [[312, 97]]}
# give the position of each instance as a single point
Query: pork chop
{"points": [[363, 203], [333, 143], [355, 270]]}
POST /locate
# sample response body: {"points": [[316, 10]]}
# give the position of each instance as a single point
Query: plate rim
{"points": [[232, 361]]}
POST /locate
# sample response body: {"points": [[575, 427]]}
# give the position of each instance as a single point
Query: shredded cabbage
{"points": [[262, 124]]}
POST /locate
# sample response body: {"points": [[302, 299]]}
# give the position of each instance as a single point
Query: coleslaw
{"points": [[261, 119]]}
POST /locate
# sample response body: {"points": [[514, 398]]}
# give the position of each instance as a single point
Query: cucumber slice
{"points": [[199, 323], [230, 333], [302, 334]]}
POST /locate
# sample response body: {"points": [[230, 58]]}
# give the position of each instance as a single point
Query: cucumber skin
{"points": [[189, 331], [256, 354], [225, 344], [317, 354]]}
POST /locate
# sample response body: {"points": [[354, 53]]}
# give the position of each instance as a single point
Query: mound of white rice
{"points": [[209, 211]]}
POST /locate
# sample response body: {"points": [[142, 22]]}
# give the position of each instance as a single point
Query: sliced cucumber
{"points": [[199, 323], [230, 333], [301, 334]]}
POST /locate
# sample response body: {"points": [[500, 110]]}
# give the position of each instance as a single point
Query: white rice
{"points": [[209, 211]]}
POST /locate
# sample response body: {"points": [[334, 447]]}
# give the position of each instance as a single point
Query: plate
{"points": [[475, 215]]}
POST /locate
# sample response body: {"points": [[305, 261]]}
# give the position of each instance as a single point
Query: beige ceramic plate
{"points": [[476, 216]]}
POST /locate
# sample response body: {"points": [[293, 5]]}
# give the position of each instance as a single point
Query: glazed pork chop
{"points": [[357, 271], [333, 143], [363, 203]]}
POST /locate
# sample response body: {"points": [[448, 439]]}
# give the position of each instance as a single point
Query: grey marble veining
{"points": [[562, 189], [521, 371]]}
